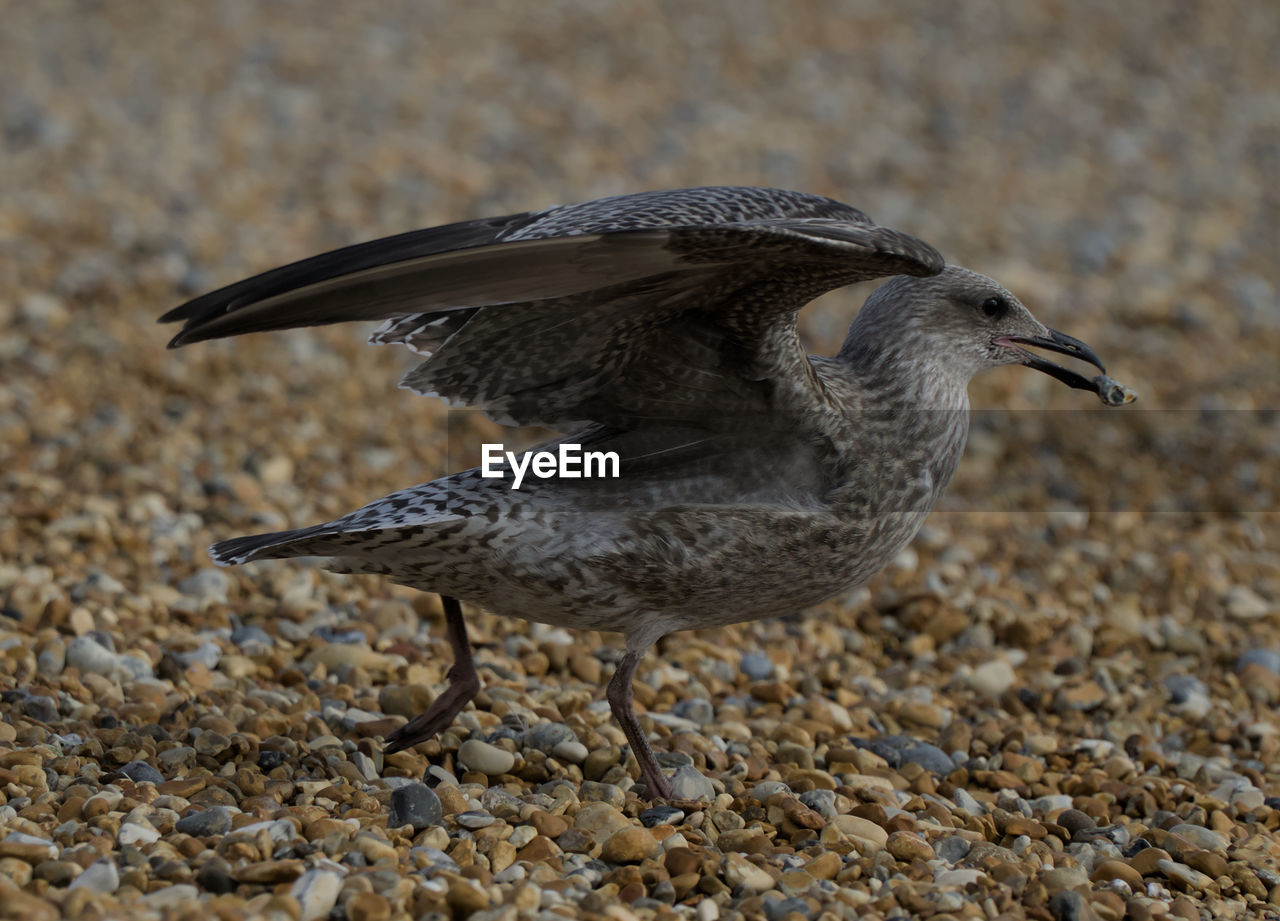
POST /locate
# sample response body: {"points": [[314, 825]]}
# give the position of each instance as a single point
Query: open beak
{"points": [[1064, 345]]}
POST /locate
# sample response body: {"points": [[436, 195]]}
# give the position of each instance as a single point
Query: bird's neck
{"points": [[911, 417]]}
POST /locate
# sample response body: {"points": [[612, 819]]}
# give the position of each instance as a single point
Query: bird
{"points": [[659, 329]]}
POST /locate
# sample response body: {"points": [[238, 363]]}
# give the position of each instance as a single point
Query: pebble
{"points": [[1266, 658], [688, 784], [141, 772], [317, 893], [992, 678], [101, 876], [478, 755], [629, 845], [1200, 836], [661, 815], [416, 805], [739, 871], [204, 823]]}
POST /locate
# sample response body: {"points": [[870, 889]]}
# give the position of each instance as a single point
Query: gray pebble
{"points": [[52, 658], [216, 820], [1267, 658], [88, 655], [823, 802], [661, 815], [952, 848], [100, 876], [141, 772], [777, 909], [207, 654], [42, 708], [767, 788], [964, 799], [415, 804], [1067, 905], [473, 818], [206, 586], [899, 750], [695, 709], [252, 638], [1201, 837], [317, 892], [757, 666], [546, 736], [688, 783]]}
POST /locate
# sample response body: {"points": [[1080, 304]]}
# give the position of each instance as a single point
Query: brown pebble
{"points": [[1146, 859], [908, 846], [630, 845], [552, 826], [1108, 870], [539, 848], [368, 906], [268, 871], [680, 861]]}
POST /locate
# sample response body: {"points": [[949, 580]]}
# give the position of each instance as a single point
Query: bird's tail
{"points": [[313, 541]]}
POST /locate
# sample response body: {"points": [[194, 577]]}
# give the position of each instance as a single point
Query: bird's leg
{"points": [[464, 684], [620, 697]]}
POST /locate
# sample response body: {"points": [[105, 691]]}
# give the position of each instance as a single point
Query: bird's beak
{"points": [[1064, 345]]}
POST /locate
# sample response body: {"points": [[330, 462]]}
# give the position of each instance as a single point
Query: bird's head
{"points": [[962, 323]]}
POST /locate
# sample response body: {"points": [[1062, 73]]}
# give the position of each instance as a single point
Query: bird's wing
{"points": [[660, 308]]}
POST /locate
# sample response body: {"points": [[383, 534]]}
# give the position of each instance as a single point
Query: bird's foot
{"points": [[438, 716]]}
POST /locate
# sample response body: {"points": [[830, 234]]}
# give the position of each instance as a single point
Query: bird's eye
{"points": [[994, 306]]}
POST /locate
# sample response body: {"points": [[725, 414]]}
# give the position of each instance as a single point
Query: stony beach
{"points": [[1059, 703]]}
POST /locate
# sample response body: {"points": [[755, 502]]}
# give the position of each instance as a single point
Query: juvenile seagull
{"points": [[755, 480]]}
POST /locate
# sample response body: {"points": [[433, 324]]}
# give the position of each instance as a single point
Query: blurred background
{"points": [[1118, 167]]}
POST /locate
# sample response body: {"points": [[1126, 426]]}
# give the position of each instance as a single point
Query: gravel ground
{"points": [[1060, 702]]}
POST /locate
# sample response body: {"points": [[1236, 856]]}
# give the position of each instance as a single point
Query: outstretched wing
{"points": [[659, 308]]}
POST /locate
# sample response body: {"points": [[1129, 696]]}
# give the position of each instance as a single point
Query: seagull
{"points": [[754, 480]]}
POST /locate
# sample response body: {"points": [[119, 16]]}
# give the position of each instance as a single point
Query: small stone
{"points": [[661, 815], [490, 760], [1068, 905], [474, 819], [90, 657], [1200, 836], [41, 708], [553, 826], [27, 847], [952, 848], [908, 846], [207, 586], [141, 772], [756, 666], [1108, 870], [825, 866], [1181, 873], [216, 820], [317, 892], [600, 821], [1266, 658], [269, 872], [1061, 878], [417, 805], [137, 834], [629, 845], [688, 784], [368, 906], [100, 876], [992, 678], [739, 871], [1243, 603], [171, 897]]}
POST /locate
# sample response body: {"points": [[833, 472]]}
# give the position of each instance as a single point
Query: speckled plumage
{"points": [[756, 480]]}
